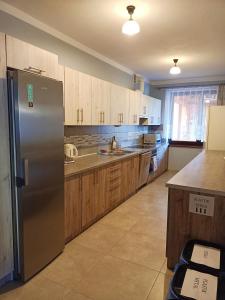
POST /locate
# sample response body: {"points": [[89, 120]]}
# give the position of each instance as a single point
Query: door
{"points": [[119, 105], [100, 102], [85, 98], [145, 159], [36, 116], [72, 207], [134, 98], [24, 56], [145, 102], [71, 93]]}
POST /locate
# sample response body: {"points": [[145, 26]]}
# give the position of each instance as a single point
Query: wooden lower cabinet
{"points": [[93, 194], [130, 177], [72, 207]]}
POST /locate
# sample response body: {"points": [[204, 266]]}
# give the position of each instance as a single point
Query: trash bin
{"points": [[204, 256], [189, 284]]}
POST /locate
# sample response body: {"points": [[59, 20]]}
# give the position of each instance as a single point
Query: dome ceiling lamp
{"points": [[175, 70], [130, 27]]}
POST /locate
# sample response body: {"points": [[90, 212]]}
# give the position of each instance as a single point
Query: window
{"points": [[185, 112]]}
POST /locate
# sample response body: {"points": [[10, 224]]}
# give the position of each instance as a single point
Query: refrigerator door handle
{"points": [[26, 172]]}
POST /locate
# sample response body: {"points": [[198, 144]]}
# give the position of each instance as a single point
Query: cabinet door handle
{"points": [[82, 115], [122, 117], [100, 117], [103, 117], [78, 119], [34, 70], [119, 118]]}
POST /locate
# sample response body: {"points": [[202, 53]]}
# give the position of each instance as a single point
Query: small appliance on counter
{"points": [[70, 153], [152, 138]]}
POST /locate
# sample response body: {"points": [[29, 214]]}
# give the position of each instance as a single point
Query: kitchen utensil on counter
{"points": [[70, 152]]}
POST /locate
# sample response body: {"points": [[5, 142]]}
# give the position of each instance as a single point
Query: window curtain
{"points": [[221, 95], [185, 112]]}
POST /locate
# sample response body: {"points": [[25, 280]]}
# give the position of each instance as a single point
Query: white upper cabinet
{"points": [[144, 108], [24, 56], [119, 107], [135, 104], [85, 95], [154, 112], [61, 77], [77, 98], [100, 102], [72, 114]]}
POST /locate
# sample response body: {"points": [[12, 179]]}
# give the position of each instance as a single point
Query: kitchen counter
{"points": [[204, 176], [89, 162], [205, 173]]}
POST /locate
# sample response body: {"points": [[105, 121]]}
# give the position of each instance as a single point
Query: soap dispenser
{"points": [[114, 144]]}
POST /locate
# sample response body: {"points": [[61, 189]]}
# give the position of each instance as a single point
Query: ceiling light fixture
{"points": [[175, 70], [130, 27]]}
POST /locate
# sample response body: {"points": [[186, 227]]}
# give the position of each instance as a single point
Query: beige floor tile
{"points": [[165, 270], [73, 295], [72, 266], [160, 288], [100, 237], [119, 220], [115, 279], [38, 288], [141, 249]]}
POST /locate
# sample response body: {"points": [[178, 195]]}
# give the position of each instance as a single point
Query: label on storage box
{"points": [[199, 286], [207, 256]]}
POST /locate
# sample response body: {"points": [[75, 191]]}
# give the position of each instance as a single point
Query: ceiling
{"points": [[193, 31]]}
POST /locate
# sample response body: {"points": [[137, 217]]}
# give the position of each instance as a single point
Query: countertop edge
{"points": [[195, 189], [102, 164]]}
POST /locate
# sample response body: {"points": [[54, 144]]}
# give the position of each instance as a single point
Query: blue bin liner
{"points": [[187, 253], [178, 279]]}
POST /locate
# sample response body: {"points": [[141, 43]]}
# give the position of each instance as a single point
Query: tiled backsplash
{"points": [[89, 139]]}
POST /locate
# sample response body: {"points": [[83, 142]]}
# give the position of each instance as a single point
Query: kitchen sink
{"points": [[115, 153]]}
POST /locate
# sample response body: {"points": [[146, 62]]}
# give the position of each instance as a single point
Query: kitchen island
{"points": [[196, 204]]}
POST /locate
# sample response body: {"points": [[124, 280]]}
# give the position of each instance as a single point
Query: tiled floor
{"points": [[122, 257]]}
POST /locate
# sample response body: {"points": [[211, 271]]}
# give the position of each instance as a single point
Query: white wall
{"points": [[181, 156]]}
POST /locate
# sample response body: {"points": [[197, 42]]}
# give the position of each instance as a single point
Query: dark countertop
{"points": [[93, 161]]}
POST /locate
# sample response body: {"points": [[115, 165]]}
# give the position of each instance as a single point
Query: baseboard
{"points": [[6, 279]]}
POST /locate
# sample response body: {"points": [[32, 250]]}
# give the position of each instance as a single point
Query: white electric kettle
{"points": [[71, 152]]}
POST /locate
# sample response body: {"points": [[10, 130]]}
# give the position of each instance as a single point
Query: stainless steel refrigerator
{"points": [[37, 160]]}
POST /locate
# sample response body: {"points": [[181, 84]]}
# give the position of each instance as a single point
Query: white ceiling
{"points": [[191, 30]]}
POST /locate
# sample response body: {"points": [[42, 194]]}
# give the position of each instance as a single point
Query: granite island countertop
{"points": [[205, 174]]}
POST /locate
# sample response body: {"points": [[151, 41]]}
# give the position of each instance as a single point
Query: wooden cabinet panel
{"points": [[24, 56], [113, 186], [154, 112], [85, 98], [119, 105], [130, 176], [144, 108], [145, 159], [135, 100], [72, 207], [71, 97], [61, 77], [100, 102], [93, 196]]}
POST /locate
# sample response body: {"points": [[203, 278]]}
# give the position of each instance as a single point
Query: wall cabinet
{"points": [[144, 108], [72, 200], [135, 102], [100, 102], [77, 98], [119, 107], [154, 111], [24, 56]]}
